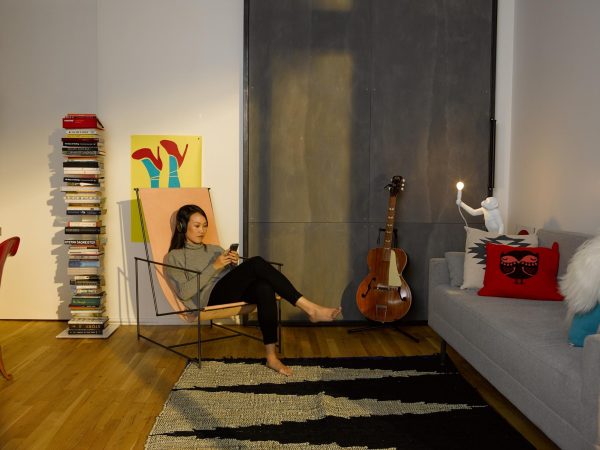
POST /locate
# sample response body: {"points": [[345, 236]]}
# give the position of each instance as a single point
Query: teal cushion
{"points": [[584, 325]]}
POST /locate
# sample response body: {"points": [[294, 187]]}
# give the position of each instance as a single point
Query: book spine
{"points": [[89, 321], [84, 151], [83, 230], [83, 270], [86, 179], [81, 164], [86, 316], [81, 121], [83, 196], [83, 136], [83, 257], [88, 297], [75, 145], [79, 131], [78, 201], [94, 224], [83, 212], [81, 140], [81, 171], [83, 189], [85, 252], [73, 331], [83, 282], [84, 263], [86, 308]]}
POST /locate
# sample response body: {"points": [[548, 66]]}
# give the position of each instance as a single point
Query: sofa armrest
{"points": [[438, 272], [590, 389]]}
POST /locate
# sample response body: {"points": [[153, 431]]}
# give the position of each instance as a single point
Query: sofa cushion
{"points": [[476, 241], [568, 242], [581, 282], [455, 261], [521, 273]]}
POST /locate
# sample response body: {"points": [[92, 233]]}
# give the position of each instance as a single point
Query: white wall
{"points": [[48, 58], [146, 67], [555, 159]]}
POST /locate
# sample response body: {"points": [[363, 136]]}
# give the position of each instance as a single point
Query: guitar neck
{"points": [[389, 224]]}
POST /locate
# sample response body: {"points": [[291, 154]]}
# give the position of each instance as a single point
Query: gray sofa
{"points": [[520, 347]]}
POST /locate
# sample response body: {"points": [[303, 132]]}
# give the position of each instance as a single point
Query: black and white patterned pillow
{"points": [[475, 255]]}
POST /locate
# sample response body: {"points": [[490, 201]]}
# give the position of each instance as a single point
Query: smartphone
{"points": [[233, 247]]}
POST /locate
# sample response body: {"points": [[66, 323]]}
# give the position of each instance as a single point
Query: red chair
{"points": [[7, 248]]}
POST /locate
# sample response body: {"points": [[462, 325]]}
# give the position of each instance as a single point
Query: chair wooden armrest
{"points": [[213, 312]]}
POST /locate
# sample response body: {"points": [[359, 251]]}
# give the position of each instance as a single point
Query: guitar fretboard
{"points": [[389, 225]]}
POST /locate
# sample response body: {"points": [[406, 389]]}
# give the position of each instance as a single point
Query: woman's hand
{"points": [[235, 256], [225, 259]]}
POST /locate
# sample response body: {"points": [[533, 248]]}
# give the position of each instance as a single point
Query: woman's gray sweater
{"points": [[199, 257]]}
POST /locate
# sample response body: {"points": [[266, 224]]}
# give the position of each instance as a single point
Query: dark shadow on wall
{"points": [[57, 209]]}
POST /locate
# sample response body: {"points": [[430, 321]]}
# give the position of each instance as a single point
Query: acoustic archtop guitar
{"points": [[384, 296]]}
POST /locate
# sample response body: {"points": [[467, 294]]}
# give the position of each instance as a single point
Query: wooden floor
{"points": [[106, 394]]}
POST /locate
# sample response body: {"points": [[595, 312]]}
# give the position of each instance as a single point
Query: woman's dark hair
{"points": [[181, 222]]}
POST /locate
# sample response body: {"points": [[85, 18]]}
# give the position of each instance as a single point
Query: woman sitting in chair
{"points": [[223, 281]]}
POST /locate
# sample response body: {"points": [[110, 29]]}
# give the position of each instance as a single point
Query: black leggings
{"points": [[256, 281]]}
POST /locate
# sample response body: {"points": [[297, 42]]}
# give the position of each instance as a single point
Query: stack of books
{"points": [[88, 311], [83, 185]]}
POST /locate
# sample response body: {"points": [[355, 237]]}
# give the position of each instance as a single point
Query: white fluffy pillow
{"points": [[475, 255], [581, 283]]}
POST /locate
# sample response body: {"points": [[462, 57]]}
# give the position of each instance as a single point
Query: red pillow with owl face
{"points": [[521, 272]]}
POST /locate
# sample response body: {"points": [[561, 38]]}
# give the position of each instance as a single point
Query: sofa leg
{"points": [[443, 353]]}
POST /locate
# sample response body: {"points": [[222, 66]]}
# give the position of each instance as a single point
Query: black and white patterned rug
{"points": [[352, 403]]}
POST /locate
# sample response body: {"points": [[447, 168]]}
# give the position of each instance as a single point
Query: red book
{"points": [[82, 121]]}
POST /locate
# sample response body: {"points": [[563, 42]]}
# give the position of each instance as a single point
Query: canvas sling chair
{"points": [[157, 209]]}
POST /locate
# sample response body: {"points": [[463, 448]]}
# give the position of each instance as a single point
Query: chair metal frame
{"points": [[209, 313]]}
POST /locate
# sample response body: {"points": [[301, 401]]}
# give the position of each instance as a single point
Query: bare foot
{"points": [[317, 313], [324, 314], [276, 365]]}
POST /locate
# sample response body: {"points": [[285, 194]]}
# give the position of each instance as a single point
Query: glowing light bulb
{"points": [[459, 186]]}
